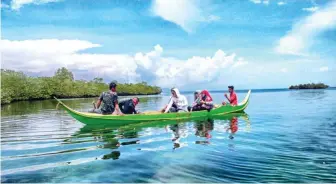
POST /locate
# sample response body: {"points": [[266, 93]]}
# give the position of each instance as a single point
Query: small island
{"points": [[309, 86], [17, 86]]}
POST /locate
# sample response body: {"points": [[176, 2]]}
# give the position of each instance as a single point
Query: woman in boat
{"points": [[205, 102], [177, 102], [197, 100]]}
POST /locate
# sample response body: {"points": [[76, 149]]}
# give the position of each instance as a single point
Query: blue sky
{"points": [[186, 43]]}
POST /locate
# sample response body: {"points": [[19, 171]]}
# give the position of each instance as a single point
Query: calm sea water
{"points": [[285, 136]]}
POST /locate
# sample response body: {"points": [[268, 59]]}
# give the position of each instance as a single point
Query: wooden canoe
{"points": [[92, 118]]}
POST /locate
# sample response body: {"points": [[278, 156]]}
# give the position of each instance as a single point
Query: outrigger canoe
{"points": [[92, 118]]}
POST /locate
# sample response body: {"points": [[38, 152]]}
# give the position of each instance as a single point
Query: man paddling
{"points": [[233, 97], [110, 102], [127, 106]]}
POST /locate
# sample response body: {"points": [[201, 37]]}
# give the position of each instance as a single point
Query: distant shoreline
{"points": [[259, 90], [309, 86]]}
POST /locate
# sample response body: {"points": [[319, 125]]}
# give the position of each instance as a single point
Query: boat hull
{"points": [[91, 118]]}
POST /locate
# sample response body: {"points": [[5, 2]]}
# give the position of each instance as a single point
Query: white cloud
{"points": [[239, 63], [185, 13], [266, 2], [3, 5], [17, 4], [303, 32], [311, 9], [284, 70], [324, 69], [45, 56], [281, 3]]}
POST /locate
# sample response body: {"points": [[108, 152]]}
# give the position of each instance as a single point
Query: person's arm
{"points": [[99, 101], [208, 102], [196, 102], [227, 97], [117, 109], [121, 106], [98, 104], [169, 105], [135, 111], [116, 106]]}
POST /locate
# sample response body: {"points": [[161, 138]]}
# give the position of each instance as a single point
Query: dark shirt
{"points": [[127, 106], [109, 100]]}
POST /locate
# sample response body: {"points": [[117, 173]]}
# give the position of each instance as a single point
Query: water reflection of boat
{"points": [[112, 137]]}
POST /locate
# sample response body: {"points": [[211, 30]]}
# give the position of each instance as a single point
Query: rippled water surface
{"points": [[285, 136]]}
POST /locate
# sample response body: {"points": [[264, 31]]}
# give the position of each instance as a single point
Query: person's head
{"points": [[231, 88], [205, 93], [175, 92], [113, 86], [136, 100], [197, 93]]}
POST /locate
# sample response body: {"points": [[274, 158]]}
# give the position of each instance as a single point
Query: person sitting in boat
{"points": [[177, 102], [110, 102], [197, 99], [127, 106], [205, 102], [233, 97]]}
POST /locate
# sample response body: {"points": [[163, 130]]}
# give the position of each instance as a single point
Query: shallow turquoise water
{"points": [[286, 136]]}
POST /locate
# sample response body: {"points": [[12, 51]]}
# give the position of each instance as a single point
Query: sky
{"points": [[190, 44]]}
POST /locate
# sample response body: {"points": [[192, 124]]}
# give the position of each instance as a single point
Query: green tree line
{"points": [[309, 86], [17, 86]]}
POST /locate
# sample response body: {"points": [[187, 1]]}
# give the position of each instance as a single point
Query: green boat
{"points": [[92, 118], [107, 128]]}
